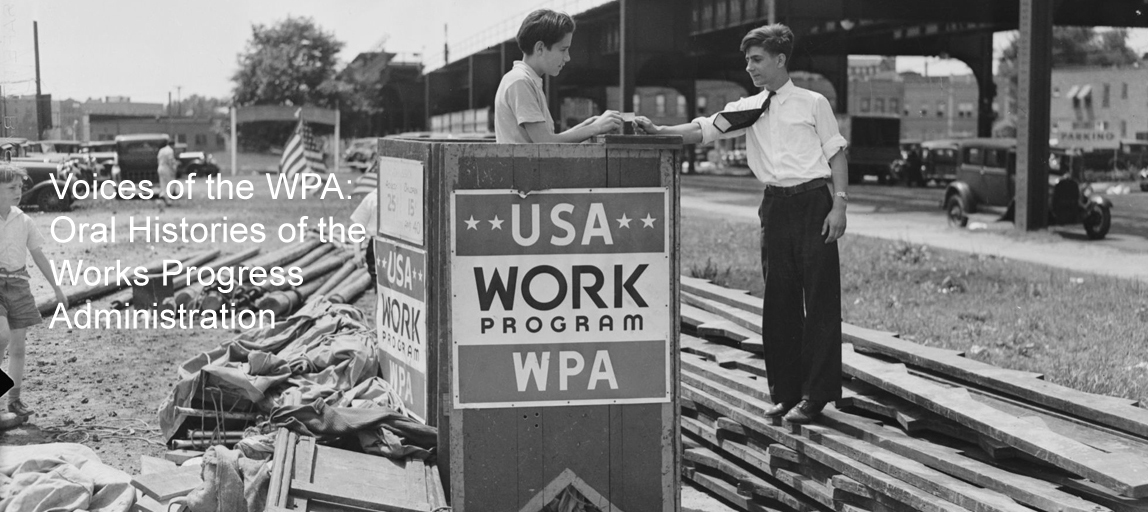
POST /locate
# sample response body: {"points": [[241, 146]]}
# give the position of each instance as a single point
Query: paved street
{"points": [[914, 215]]}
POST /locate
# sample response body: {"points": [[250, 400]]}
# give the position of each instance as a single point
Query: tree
{"points": [[289, 63]]}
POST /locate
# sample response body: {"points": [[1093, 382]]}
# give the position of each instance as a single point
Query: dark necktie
{"points": [[738, 119]]}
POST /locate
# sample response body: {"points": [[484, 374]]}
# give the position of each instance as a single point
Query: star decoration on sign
{"points": [[648, 221], [623, 222], [471, 223], [496, 223]]}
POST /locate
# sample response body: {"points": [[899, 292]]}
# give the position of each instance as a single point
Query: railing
{"points": [[502, 31]]}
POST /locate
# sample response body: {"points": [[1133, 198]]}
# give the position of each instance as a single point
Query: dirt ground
{"points": [[101, 388]]}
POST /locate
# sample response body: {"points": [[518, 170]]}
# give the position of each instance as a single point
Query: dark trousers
{"points": [[801, 315]]}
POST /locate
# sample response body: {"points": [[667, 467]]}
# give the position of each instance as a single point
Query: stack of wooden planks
{"points": [[918, 428]]}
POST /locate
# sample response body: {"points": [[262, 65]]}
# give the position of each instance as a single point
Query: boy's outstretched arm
{"points": [[46, 269], [607, 122], [691, 132]]}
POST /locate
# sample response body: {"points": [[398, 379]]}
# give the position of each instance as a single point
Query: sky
{"points": [[145, 50]]}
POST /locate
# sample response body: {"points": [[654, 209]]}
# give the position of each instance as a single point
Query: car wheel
{"points": [[957, 211], [48, 201], [1097, 221]]}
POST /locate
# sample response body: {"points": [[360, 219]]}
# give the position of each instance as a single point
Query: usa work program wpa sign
{"points": [[560, 297]]}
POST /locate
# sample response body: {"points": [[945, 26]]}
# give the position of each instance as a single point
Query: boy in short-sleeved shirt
{"points": [[18, 238], [521, 115]]}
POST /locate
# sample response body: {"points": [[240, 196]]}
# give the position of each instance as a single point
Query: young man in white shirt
{"points": [[521, 114], [796, 150]]}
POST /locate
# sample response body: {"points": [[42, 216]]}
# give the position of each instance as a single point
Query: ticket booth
{"points": [[528, 309]]}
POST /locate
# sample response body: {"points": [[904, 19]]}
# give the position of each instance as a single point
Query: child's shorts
{"points": [[17, 304]]}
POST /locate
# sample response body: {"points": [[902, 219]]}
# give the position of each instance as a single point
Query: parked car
{"points": [[39, 189], [13, 147], [360, 153], [100, 156], [137, 157], [874, 142], [196, 163], [986, 177], [66, 147]]}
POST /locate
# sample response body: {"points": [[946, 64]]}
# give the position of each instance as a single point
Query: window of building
{"points": [[924, 111], [682, 105], [660, 104], [940, 109], [1124, 91], [1123, 128], [1056, 92], [879, 105], [181, 138], [895, 106], [1105, 100], [200, 140], [702, 101], [637, 103], [864, 104]]}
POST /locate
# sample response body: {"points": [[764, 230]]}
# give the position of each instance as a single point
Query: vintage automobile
{"points": [[39, 189], [938, 163], [54, 146], [137, 157], [100, 156], [13, 147], [986, 177], [360, 153], [194, 163]]}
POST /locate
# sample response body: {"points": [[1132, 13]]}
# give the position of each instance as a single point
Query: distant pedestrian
{"points": [[521, 114], [19, 237], [914, 173], [166, 171], [796, 150]]}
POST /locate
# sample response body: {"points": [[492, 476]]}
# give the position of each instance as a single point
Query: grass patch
{"points": [[1081, 330]]}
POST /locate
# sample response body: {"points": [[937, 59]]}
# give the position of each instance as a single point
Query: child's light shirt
{"points": [[18, 234]]}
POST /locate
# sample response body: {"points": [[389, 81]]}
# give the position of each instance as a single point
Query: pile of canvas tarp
{"points": [[61, 476], [324, 353]]}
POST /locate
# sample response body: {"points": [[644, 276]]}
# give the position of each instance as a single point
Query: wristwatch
{"points": [[842, 195]]}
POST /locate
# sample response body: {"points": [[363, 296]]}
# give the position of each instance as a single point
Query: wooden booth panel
{"points": [[505, 458]]}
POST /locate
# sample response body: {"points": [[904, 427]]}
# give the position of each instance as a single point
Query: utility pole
{"points": [[178, 101], [39, 104]]}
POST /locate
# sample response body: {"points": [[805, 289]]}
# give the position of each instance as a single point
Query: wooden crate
{"points": [[622, 456]]}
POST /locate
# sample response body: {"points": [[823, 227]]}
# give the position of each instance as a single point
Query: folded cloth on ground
{"points": [[61, 476], [380, 431], [231, 483]]}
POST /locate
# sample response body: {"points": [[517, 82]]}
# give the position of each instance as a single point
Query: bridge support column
{"points": [[976, 51], [1034, 96]]}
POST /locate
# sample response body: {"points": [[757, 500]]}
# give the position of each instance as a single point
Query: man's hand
{"points": [[834, 225], [609, 121], [646, 125], [60, 297]]}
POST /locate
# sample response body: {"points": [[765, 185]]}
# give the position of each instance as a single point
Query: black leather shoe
{"points": [[805, 412], [779, 409]]}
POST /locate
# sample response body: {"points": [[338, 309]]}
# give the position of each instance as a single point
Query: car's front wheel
{"points": [[957, 211], [1097, 221], [48, 201]]}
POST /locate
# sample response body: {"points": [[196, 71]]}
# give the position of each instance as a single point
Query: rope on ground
{"points": [[72, 433]]}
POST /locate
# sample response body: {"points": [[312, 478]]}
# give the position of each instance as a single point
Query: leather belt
{"points": [[772, 190]]}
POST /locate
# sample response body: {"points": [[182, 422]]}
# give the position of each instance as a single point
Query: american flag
{"points": [[302, 153]]}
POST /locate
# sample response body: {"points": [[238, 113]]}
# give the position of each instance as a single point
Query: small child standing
{"points": [[367, 214], [18, 238]]}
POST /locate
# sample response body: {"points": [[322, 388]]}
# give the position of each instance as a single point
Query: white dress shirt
{"points": [[792, 142], [18, 234]]}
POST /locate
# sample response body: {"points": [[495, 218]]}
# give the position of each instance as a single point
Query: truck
{"points": [[874, 143]]}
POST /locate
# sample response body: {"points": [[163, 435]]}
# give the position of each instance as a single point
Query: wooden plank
{"points": [[747, 483], [617, 462], [728, 492], [350, 494], [531, 453], [806, 486], [436, 496], [921, 476], [745, 319], [145, 503], [642, 455], [744, 410], [633, 167], [171, 484], [720, 353], [739, 299], [149, 465], [1120, 413], [1034, 492], [701, 431], [526, 178], [490, 460], [1122, 472], [488, 166], [575, 439], [572, 166], [304, 467], [181, 456]]}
